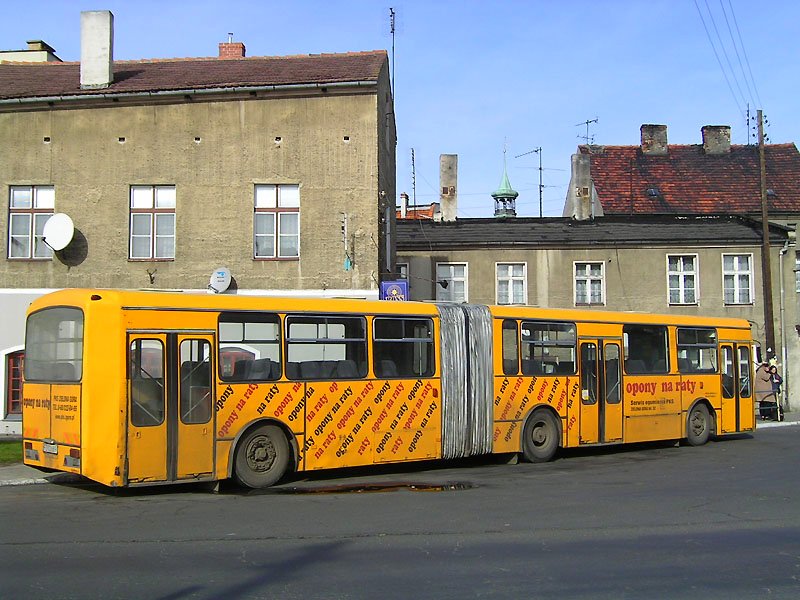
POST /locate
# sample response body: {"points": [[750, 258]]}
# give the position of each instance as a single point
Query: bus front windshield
{"points": [[54, 345]]}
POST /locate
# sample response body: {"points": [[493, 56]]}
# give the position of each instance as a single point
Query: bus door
{"points": [[601, 406], [170, 416], [738, 410]]}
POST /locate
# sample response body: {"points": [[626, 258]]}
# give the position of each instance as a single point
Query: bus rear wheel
{"points": [[540, 437], [262, 457], [698, 426]]}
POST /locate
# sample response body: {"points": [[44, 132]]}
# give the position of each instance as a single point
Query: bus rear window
{"points": [[54, 345]]}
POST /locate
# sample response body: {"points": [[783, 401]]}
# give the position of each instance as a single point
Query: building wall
{"points": [[328, 144], [635, 280], [339, 146]]}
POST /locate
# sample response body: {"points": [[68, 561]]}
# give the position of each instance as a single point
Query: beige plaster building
{"points": [[280, 169]]}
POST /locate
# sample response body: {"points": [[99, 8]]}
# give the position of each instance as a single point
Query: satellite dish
{"points": [[220, 280], [58, 231]]}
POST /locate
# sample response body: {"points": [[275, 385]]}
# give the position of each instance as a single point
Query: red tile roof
{"points": [[419, 212], [31, 80], [692, 182]]}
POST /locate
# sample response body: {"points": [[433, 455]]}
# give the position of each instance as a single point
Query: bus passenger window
{"points": [[54, 345], [326, 347], [402, 347], [510, 342], [697, 350], [147, 383], [645, 349], [548, 348], [249, 347]]}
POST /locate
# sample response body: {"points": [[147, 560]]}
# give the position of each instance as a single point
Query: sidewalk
{"points": [[20, 474]]}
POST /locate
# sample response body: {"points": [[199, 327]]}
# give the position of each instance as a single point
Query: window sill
{"points": [[20, 259], [148, 260], [275, 258]]}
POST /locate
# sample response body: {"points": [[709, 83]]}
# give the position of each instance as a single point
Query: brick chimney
{"points": [[231, 49], [654, 140], [716, 139]]}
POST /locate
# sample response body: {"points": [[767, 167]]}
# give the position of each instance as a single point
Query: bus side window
{"points": [[147, 383], [646, 349], [402, 347], [249, 346], [326, 347]]}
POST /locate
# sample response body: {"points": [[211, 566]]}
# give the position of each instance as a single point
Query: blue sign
{"points": [[394, 290]]}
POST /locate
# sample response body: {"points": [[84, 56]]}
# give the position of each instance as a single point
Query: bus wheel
{"points": [[540, 438], [262, 457], [698, 427]]}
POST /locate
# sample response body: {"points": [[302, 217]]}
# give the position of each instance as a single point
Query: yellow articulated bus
{"points": [[135, 388]]}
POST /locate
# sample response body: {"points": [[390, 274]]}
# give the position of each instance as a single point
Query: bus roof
{"points": [[172, 300]]}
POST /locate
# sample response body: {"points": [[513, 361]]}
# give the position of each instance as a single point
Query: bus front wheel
{"points": [[262, 457], [698, 427], [540, 437]]}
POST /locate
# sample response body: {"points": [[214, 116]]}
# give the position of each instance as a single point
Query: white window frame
{"points": [[736, 273], [682, 275], [797, 272], [152, 205], [276, 204], [446, 294], [588, 278], [511, 279], [37, 210]]}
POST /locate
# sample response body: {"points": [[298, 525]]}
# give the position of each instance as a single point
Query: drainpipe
{"points": [[785, 373]]}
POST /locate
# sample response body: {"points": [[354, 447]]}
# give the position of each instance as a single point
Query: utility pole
{"points": [[769, 328]]}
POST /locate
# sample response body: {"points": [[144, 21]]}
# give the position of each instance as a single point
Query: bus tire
{"points": [[540, 437], [262, 457], [698, 425]]}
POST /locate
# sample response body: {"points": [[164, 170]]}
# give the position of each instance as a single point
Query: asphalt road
{"points": [[652, 521]]}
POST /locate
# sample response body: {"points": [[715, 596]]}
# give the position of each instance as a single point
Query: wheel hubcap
{"points": [[260, 453], [539, 434]]}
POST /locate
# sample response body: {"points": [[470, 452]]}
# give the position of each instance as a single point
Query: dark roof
{"points": [[563, 232], [689, 181], [32, 80]]}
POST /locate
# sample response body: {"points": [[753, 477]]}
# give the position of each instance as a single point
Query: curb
{"points": [[55, 478], [768, 424]]}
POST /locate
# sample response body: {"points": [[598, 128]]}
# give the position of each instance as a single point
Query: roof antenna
{"points": [[589, 139]]}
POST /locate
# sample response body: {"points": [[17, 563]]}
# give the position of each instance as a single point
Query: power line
{"points": [[746, 60], [736, 50], [725, 54], [719, 62]]}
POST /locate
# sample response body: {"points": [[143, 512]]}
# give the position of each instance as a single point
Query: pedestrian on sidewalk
{"points": [[765, 392]]}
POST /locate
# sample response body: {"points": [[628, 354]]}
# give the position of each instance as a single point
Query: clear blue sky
{"points": [[475, 75]]}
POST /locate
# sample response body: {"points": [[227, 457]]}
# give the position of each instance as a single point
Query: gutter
{"points": [[189, 92]]}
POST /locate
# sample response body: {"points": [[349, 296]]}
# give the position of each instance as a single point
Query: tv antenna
{"points": [[589, 139], [413, 183], [541, 185]]}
